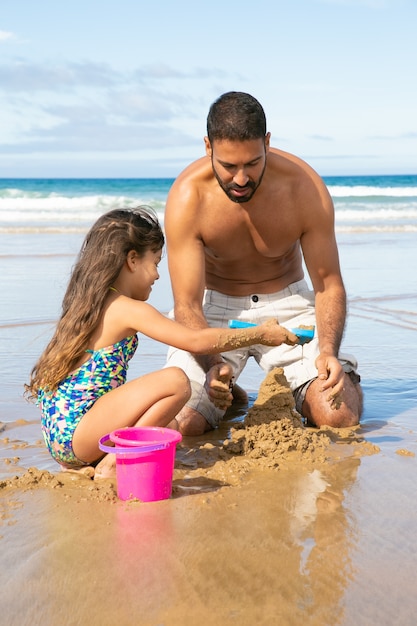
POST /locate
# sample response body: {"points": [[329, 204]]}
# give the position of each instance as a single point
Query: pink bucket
{"points": [[144, 461]]}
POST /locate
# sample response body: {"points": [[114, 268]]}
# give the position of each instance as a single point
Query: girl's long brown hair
{"points": [[99, 263]]}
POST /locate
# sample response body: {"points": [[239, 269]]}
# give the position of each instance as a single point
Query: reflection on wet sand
{"points": [[327, 532], [276, 546], [258, 531]]}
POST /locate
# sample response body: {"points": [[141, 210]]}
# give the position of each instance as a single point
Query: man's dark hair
{"points": [[236, 116]]}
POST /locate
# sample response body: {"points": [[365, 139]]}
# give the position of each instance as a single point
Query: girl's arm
{"points": [[132, 316]]}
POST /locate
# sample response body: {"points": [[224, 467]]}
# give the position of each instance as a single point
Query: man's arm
{"points": [[322, 261], [186, 260]]}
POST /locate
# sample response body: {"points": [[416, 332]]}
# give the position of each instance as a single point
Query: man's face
{"points": [[238, 166]]}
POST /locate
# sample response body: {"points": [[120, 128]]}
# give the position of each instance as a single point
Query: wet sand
{"points": [[326, 540], [269, 522]]}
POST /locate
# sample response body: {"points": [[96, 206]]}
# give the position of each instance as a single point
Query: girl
{"points": [[79, 381]]}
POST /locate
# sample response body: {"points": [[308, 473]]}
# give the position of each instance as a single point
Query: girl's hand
{"points": [[274, 335]]}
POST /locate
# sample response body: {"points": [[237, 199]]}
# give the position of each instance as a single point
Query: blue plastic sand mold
{"points": [[304, 334], [239, 324]]}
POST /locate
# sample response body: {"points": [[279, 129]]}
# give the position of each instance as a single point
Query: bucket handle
{"points": [[131, 449]]}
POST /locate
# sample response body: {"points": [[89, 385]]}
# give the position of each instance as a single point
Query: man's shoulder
{"points": [[196, 171], [289, 162], [193, 185], [293, 169]]}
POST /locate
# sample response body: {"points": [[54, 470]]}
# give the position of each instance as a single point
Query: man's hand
{"points": [[218, 385], [331, 376]]}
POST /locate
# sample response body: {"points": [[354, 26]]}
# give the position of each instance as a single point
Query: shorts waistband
{"points": [[255, 299]]}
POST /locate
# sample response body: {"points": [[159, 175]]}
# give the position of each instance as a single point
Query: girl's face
{"points": [[145, 274]]}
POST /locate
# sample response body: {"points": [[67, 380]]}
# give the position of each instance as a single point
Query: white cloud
{"points": [[20, 75], [82, 106], [25, 76], [321, 138], [373, 4], [4, 35]]}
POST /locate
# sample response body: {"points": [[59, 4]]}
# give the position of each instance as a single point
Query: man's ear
{"points": [[267, 140], [208, 146]]}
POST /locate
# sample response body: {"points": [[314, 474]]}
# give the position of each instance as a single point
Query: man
{"points": [[237, 223]]}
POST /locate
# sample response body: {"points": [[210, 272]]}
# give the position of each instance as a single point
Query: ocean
{"points": [[332, 546], [362, 203], [43, 222]]}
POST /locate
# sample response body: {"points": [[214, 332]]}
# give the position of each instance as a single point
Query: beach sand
{"points": [[269, 523]]}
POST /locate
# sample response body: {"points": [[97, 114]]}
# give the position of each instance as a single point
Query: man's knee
{"points": [[341, 417], [191, 423], [319, 412]]}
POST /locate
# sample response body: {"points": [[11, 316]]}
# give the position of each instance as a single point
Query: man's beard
{"points": [[229, 188]]}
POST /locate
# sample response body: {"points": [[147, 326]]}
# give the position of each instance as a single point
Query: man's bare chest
{"points": [[235, 237]]}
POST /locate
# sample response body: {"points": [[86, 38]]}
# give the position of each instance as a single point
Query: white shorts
{"points": [[292, 307]]}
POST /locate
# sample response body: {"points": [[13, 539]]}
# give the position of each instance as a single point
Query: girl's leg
{"points": [[151, 400]]}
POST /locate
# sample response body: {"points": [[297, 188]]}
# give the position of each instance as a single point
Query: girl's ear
{"points": [[131, 260]]}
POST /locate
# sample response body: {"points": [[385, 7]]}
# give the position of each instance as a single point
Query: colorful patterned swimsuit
{"points": [[75, 395]]}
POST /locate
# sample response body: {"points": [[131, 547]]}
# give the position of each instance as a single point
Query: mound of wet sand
{"points": [[273, 431], [272, 436], [72, 483]]}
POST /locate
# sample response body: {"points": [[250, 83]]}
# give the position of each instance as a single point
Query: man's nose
{"points": [[241, 178]]}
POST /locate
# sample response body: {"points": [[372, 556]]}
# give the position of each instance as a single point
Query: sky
{"points": [[122, 88]]}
